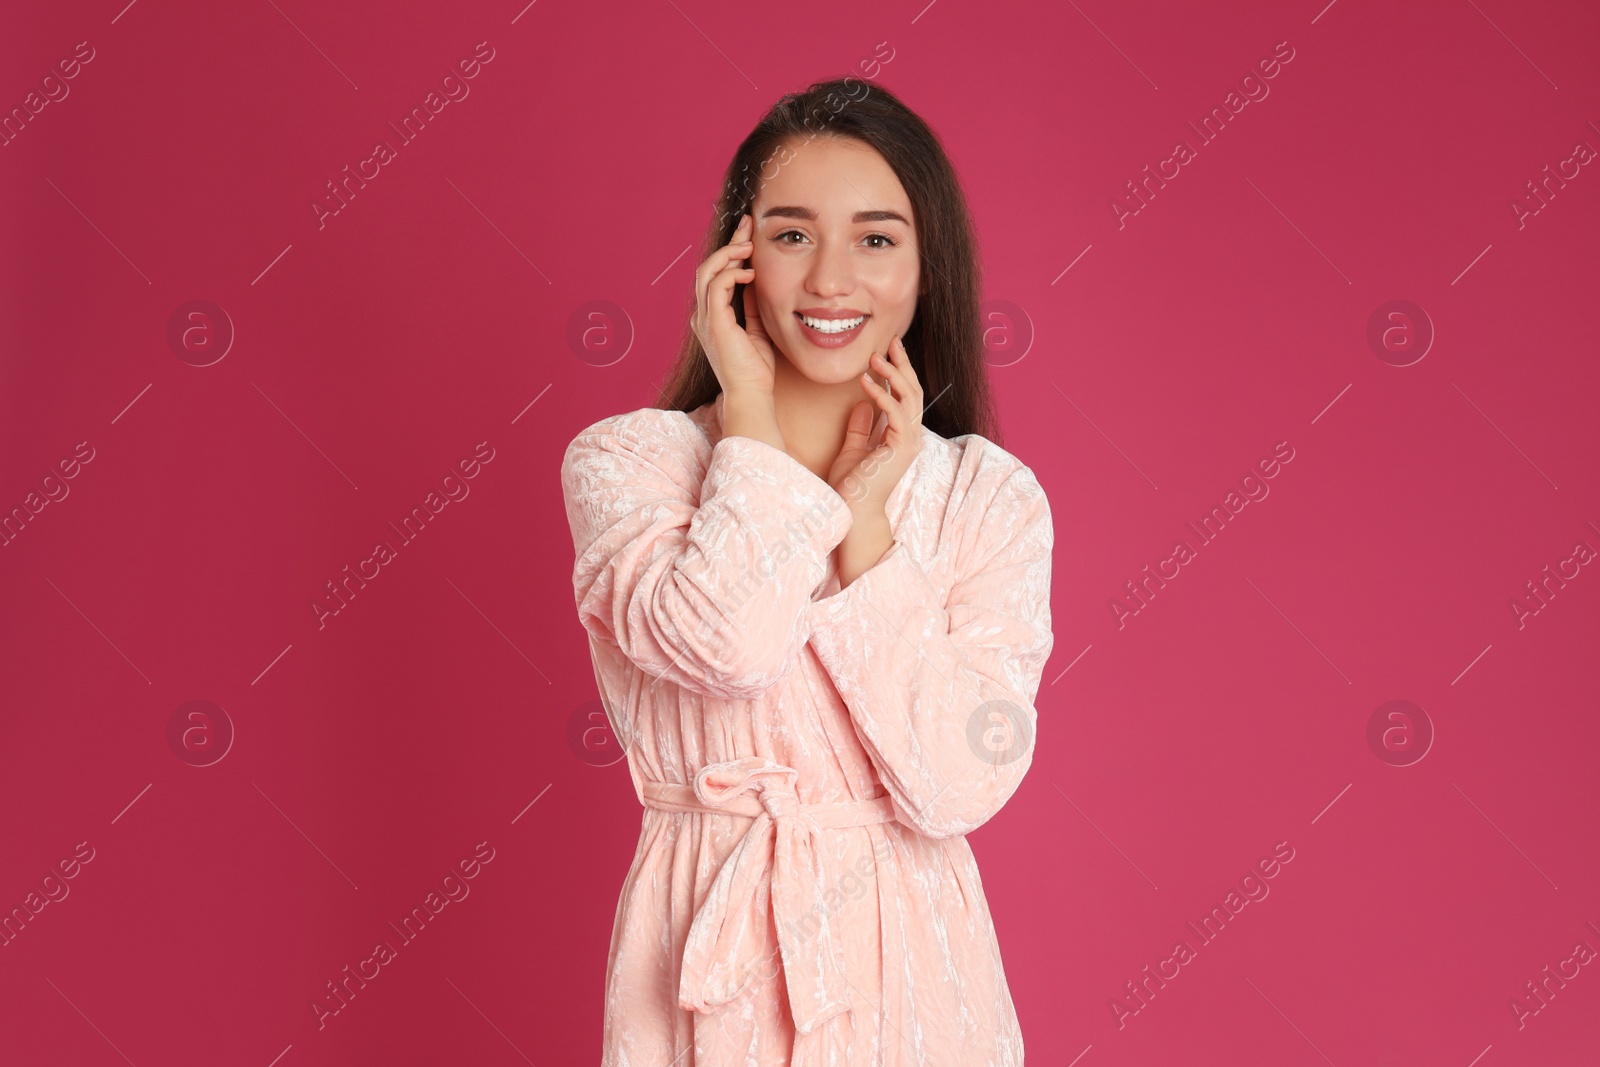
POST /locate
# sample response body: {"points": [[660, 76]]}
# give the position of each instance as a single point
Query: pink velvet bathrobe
{"points": [[808, 758]]}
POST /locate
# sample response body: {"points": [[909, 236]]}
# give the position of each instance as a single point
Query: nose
{"points": [[832, 270]]}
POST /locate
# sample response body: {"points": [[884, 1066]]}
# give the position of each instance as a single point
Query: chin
{"points": [[826, 375], [835, 367]]}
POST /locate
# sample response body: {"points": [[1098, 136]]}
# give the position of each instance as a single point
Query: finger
{"points": [[714, 317], [858, 429], [714, 264], [708, 274], [892, 409], [739, 243], [911, 393], [752, 311], [720, 292], [880, 430], [902, 359], [896, 375], [881, 397], [885, 369]]}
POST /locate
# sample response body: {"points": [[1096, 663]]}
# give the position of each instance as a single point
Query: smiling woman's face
{"points": [[835, 241]]}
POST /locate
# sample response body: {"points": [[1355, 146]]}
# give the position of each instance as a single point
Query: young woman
{"points": [[817, 594]]}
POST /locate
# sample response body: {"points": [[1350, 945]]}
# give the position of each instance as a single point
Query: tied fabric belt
{"points": [[778, 858]]}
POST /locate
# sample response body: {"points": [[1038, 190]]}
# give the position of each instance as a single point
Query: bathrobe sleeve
{"points": [[700, 582], [940, 689]]}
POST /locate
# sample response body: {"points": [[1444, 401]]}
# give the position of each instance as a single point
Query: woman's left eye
{"points": [[888, 241]]}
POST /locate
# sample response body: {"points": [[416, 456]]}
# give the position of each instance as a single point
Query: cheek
{"points": [[768, 274], [898, 290], [772, 283], [909, 280]]}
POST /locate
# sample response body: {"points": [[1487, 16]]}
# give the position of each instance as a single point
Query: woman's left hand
{"points": [[878, 450]]}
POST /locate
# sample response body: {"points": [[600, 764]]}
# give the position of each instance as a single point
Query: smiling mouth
{"points": [[831, 326]]}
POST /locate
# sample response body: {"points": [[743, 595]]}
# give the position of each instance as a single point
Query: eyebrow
{"points": [[860, 216]]}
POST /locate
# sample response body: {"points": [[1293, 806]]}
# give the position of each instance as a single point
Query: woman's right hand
{"points": [[743, 360]]}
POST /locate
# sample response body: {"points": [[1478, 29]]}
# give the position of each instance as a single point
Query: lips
{"points": [[825, 337]]}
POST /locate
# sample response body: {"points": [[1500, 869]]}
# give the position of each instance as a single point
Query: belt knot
{"points": [[780, 805], [772, 880]]}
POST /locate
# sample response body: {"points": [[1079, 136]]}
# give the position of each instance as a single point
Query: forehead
{"points": [[835, 177]]}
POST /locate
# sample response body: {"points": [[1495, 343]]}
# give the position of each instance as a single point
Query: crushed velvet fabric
{"points": [[808, 758]]}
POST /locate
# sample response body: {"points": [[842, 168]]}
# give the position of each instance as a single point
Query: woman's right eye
{"points": [[779, 237]]}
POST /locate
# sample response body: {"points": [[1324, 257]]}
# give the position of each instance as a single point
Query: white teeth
{"points": [[833, 325]]}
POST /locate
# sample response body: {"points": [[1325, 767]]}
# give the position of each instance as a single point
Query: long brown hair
{"points": [[944, 339]]}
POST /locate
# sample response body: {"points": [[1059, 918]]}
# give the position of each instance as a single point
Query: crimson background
{"points": [[372, 353]]}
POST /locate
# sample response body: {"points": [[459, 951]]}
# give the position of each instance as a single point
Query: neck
{"points": [[812, 416]]}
